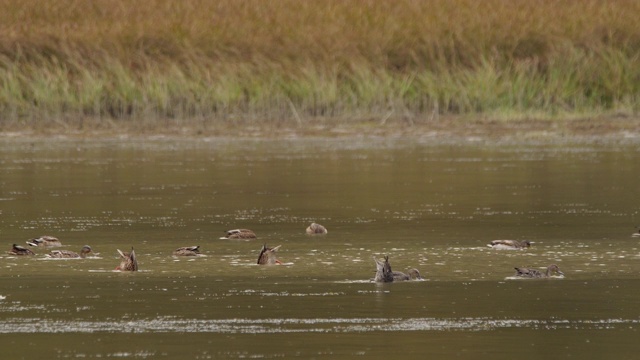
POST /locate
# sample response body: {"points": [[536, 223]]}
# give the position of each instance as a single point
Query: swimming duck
{"points": [[187, 251], [410, 275], [383, 270], [534, 273], [268, 256], [45, 240], [67, 254], [240, 234], [19, 250], [128, 261], [509, 244], [316, 229]]}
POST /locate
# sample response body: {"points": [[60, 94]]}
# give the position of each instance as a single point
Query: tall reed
{"points": [[257, 61]]}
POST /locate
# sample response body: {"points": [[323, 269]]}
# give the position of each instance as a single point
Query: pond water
{"points": [[433, 207]]}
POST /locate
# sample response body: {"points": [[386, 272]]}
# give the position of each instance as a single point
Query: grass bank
{"points": [[251, 61]]}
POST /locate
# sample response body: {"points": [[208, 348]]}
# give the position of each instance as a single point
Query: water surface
{"points": [[432, 207]]}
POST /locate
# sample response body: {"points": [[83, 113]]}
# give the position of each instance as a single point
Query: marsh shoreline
{"points": [[443, 130], [214, 67]]}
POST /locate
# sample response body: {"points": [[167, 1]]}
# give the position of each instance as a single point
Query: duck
{"points": [[187, 251], [45, 240], [410, 275], [509, 244], [534, 273], [19, 250], [316, 229], [384, 273], [239, 234], [67, 254], [268, 256], [128, 261]]}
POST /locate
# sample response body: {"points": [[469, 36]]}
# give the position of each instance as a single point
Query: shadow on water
{"points": [[434, 208]]}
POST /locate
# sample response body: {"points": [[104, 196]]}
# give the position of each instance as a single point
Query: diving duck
{"points": [[67, 254], [19, 250], [240, 234], [128, 261], [268, 256], [534, 273], [509, 244], [383, 270], [316, 229], [410, 275], [45, 240], [187, 251]]}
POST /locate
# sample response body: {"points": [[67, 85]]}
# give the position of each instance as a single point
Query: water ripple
{"points": [[293, 325]]}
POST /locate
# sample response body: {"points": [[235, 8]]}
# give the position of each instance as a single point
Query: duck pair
{"points": [[129, 261], [59, 254], [267, 255], [552, 269], [245, 234], [385, 274], [52, 241]]}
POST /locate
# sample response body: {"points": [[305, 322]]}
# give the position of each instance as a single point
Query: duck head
{"points": [[554, 269], [414, 274], [85, 250]]}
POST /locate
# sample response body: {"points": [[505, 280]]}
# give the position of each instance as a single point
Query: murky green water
{"points": [[432, 207]]}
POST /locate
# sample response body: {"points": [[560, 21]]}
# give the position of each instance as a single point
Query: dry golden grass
{"points": [[266, 60]]}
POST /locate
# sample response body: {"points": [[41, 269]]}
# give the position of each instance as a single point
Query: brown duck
{"points": [[534, 273], [509, 244], [385, 274], [316, 229], [268, 256], [410, 275], [19, 250], [67, 254], [187, 251], [383, 270], [128, 261], [45, 240], [240, 234]]}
